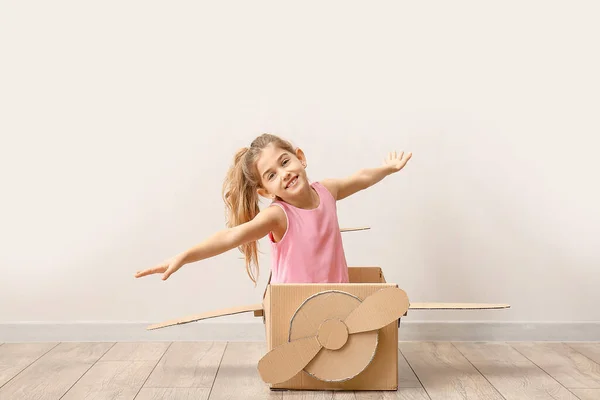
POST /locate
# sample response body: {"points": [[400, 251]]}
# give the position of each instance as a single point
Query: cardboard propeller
{"points": [[333, 335]]}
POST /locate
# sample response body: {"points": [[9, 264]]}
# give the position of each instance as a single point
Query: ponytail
{"points": [[240, 195], [241, 203]]}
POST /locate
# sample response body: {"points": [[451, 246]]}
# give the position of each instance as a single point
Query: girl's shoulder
{"points": [[330, 185], [277, 212]]}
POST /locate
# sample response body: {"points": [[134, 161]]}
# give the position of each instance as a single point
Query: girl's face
{"points": [[282, 173]]}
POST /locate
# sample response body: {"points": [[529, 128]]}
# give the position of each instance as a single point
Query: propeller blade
{"points": [[285, 361], [378, 310]]}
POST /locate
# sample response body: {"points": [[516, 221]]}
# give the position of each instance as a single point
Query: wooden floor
{"points": [[220, 370]]}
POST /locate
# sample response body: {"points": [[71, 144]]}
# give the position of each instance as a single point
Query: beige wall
{"points": [[120, 119]]}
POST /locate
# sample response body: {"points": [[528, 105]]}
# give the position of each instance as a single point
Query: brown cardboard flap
{"points": [[365, 275], [456, 306], [256, 308]]}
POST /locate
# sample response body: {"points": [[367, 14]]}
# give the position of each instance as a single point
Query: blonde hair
{"points": [[239, 192]]}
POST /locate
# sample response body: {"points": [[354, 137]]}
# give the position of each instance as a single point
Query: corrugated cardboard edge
{"points": [[267, 317], [457, 306]]}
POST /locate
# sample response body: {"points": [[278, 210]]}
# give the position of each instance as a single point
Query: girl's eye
{"points": [[270, 176], [285, 162]]}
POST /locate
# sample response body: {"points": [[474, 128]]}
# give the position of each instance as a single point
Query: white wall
{"points": [[119, 120]]}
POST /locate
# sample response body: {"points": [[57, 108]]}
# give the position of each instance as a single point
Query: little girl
{"points": [[301, 222]]}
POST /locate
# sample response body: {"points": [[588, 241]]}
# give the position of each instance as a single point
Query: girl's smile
{"points": [[292, 182]]}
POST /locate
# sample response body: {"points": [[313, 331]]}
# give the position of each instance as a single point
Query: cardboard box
{"points": [[365, 361], [332, 336]]}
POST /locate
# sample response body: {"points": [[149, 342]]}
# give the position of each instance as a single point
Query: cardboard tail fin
{"points": [[457, 306], [362, 228], [256, 308]]}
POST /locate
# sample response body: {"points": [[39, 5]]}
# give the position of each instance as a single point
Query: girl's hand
{"points": [[397, 161], [166, 268]]}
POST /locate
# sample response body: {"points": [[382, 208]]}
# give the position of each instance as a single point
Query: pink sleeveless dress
{"points": [[311, 249]]}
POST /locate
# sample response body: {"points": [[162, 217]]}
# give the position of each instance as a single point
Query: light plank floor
{"points": [[221, 370]]}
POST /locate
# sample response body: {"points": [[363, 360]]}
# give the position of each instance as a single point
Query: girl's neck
{"points": [[307, 200]]}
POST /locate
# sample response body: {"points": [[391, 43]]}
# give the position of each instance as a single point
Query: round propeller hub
{"points": [[333, 334]]}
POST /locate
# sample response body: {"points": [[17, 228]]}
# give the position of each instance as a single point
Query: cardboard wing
{"points": [[332, 332], [258, 311], [457, 306], [341, 336], [256, 308]]}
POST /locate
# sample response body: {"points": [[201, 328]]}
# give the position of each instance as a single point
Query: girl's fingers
{"points": [[167, 273], [149, 271]]}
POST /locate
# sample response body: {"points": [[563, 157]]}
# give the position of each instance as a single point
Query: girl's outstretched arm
{"points": [[344, 187], [267, 220]]}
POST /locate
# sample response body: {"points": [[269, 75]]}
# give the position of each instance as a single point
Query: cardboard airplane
{"points": [[332, 336]]}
